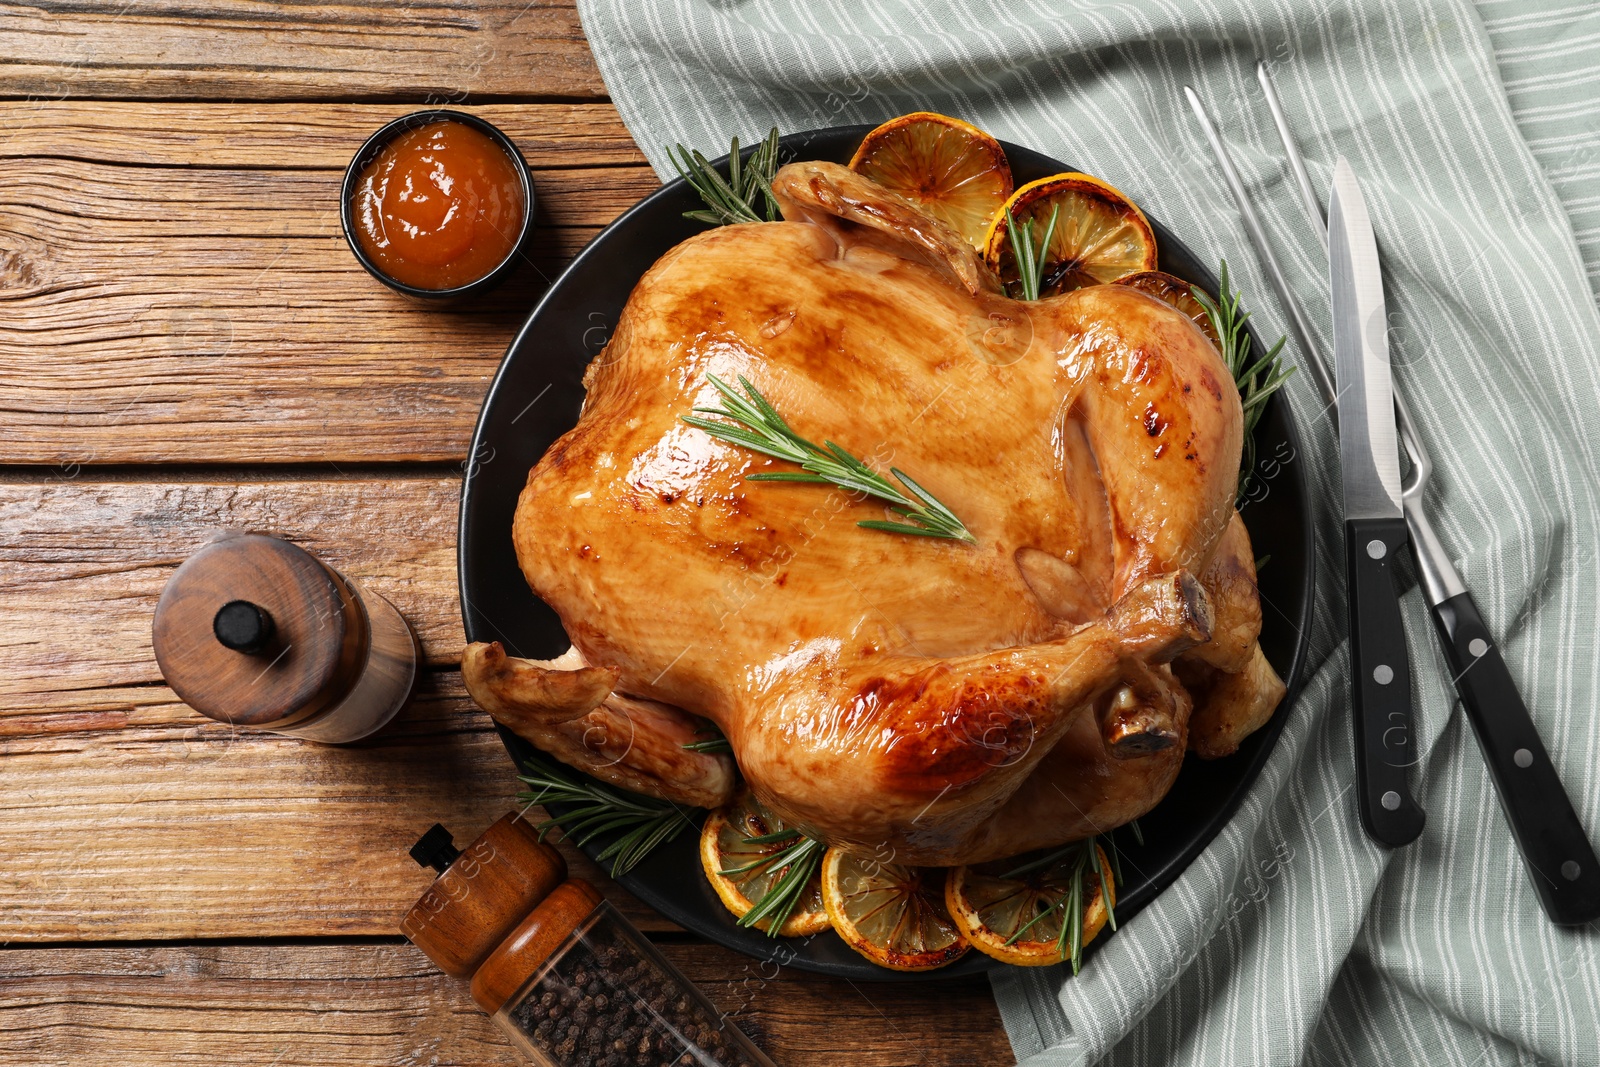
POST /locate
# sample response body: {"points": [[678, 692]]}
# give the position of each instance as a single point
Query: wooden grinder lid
{"points": [[481, 893], [255, 631]]}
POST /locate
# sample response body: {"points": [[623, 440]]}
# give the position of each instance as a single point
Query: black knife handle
{"points": [[1561, 862], [1380, 682]]}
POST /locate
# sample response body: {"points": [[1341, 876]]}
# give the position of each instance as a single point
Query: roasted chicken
{"points": [[954, 702]]}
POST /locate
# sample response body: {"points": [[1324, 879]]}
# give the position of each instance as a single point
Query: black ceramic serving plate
{"points": [[535, 398]]}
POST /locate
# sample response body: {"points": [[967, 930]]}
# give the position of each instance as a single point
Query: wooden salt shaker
{"points": [[254, 631]]}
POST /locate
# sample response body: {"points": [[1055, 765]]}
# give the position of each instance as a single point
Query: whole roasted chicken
{"points": [[956, 702]]}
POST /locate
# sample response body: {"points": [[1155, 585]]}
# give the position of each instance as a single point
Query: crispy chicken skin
{"points": [[881, 689]]}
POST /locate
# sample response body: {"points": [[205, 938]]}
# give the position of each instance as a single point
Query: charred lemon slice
{"points": [[1177, 292], [951, 169], [1021, 913], [892, 914], [1099, 234], [743, 850]]}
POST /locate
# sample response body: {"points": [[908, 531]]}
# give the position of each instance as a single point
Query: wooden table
{"points": [[187, 345]]}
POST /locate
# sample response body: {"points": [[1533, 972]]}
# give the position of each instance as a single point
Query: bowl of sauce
{"points": [[438, 204]]}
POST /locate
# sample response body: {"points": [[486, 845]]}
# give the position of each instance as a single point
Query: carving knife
{"points": [[1561, 863], [1374, 521]]}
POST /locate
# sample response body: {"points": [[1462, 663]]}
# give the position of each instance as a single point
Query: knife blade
{"points": [[1375, 526]]}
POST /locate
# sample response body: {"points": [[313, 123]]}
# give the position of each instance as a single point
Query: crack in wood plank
{"points": [[236, 49]]}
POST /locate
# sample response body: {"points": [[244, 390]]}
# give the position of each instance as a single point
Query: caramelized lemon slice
{"points": [[951, 169], [740, 849], [1019, 919], [892, 914], [1177, 292], [1100, 235]]}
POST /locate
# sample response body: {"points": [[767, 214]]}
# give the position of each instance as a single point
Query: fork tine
{"points": [[1421, 465], [1298, 325], [1297, 163]]}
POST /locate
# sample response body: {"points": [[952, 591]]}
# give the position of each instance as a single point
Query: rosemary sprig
{"points": [[596, 809], [731, 199], [1030, 260], [797, 864], [1256, 381], [761, 429], [1084, 857], [714, 742]]}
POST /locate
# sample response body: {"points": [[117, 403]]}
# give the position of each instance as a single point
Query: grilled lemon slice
{"points": [[1100, 235], [1019, 918], [951, 169], [741, 850], [1177, 292], [892, 914]]}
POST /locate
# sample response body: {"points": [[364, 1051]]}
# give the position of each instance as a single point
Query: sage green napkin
{"points": [[1293, 938]]}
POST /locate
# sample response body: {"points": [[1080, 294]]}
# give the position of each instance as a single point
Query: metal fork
{"points": [[1561, 862]]}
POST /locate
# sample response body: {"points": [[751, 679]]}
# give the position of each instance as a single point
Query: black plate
{"points": [[535, 398]]}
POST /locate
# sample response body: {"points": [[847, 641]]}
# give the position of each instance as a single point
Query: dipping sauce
{"points": [[441, 206]]}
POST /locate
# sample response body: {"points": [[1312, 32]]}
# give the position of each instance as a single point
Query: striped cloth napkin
{"points": [[1293, 938]]}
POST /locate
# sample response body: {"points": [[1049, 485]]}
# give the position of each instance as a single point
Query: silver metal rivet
{"points": [[1477, 646], [1570, 870], [1523, 757], [1375, 549], [1383, 674], [1391, 800]]}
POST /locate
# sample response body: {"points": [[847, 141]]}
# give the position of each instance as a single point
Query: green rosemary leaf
{"points": [[1030, 260], [1025, 927], [1042, 862], [598, 809], [731, 199], [909, 530], [715, 745], [1105, 885], [800, 862], [1138, 834], [755, 424], [1256, 380], [786, 476], [753, 865]]}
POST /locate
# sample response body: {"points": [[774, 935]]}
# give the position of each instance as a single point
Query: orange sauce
{"points": [[440, 206]]}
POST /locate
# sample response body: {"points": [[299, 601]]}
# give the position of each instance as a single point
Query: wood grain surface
{"points": [[190, 278], [147, 822], [108, 547], [437, 51], [379, 1005]]}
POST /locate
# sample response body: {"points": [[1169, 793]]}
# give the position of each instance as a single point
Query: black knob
{"points": [[243, 626], [435, 849]]}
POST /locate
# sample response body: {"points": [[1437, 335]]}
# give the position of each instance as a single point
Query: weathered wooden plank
{"points": [[132, 818], [442, 50], [382, 1004], [218, 308], [287, 136], [82, 563]]}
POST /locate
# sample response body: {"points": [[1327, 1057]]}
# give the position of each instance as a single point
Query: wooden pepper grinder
{"points": [[254, 631], [567, 977]]}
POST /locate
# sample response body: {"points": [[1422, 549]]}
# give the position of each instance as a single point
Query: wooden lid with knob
{"points": [[481, 893], [255, 631]]}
